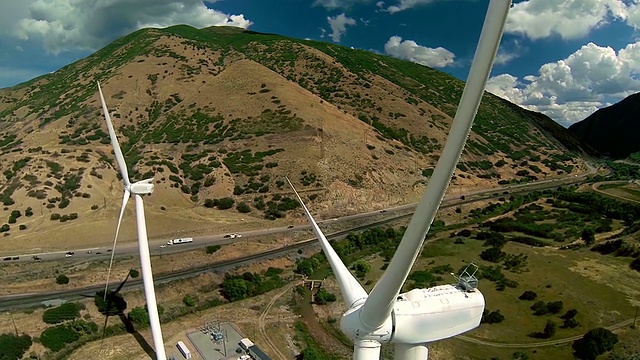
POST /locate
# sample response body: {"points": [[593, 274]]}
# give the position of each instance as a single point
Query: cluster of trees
{"points": [[323, 297], [495, 274], [542, 308], [549, 330], [57, 337], [595, 203], [62, 313], [238, 287], [308, 266], [494, 252], [13, 347], [594, 343]]}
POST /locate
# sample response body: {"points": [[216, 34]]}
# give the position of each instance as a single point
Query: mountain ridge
{"points": [[223, 113], [612, 130]]}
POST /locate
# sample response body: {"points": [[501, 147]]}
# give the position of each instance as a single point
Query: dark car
{"points": [[7, 258], [290, 227], [36, 258], [15, 258]]}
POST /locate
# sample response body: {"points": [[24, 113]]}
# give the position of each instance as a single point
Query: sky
{"points": [[564, 58]]}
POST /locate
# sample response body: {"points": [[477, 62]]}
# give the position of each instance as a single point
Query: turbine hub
{"points": [[352, 326], [142, 187]]}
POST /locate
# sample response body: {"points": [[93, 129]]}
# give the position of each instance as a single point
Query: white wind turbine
{"points": [[414, 319], [138, 189]]}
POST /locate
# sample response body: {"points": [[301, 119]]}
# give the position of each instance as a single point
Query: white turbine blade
{"points": [[125, 198], [380, 303], [349, 286], [147, 280], [114, 141]]}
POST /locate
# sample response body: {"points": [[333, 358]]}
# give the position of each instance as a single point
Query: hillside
{"points": [[613, 130], [221, 112]]}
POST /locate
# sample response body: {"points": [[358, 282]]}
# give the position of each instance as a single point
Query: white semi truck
{"points": [[179, 241]]}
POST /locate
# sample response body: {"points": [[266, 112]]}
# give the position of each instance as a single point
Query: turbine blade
{"points": [[114, 141], [349, 286], [380, 303], [125, 198]]}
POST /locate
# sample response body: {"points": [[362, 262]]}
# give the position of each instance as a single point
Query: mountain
{"points": [[614, 130], [223, 112]]}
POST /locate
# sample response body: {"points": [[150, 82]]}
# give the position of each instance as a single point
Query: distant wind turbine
{"points": [[420, 316], [138, 189]]}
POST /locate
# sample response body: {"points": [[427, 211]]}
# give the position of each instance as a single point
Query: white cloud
{"points": [[410, 50], [338, 25], [406, 4], [570, 89], [509, 51], [338, 4], [569, 19], [64, 25]]}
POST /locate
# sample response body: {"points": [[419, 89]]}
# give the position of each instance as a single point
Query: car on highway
{"points": [[290, 227], [163, 246], [36, 258], [15, 258], [7, 258], [69, 254]]}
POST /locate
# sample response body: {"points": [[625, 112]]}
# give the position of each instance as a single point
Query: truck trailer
{"points": [[179, 241]]}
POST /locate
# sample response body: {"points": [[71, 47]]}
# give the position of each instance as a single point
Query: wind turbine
{"points": [[414, 319], [138, 189]]}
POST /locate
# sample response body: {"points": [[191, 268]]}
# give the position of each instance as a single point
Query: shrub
{"points": [[189, 300], [243, 207], [22, 227], [57, 337], [114, 304], [62, 279], [528, 295], [64, 312], [55, 216], [28, 212], [212, 248], [493, 317], [5, 228], [134, 273]]}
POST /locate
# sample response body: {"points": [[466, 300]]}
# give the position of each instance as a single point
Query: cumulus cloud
{"points": [[406, 4], [570, 89], [509, 51], [338, 4], [64, 25], [338, 25], [410, 50], [569, 19]]}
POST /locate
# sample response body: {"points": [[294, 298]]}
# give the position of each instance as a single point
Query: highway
{"points": [[199, 242], [390, 215]]}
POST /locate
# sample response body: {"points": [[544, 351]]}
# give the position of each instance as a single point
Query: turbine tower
{"points": [[138, 189], [420, 316]]}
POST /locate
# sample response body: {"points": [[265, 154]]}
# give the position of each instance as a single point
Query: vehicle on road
{"points": [[7, 258], [89, 252], [179, 241], [15, 258], [290, 227], [163, 246], [69, 254], [36, 258]]}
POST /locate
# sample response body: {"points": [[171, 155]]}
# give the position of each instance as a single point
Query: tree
{"points": [[492, 317], [549, 329], [62, 279], [225, 203], [361, 267], [235, 289], [588, 235], [28, 212], [554, 307], [492, 254], [595, 342], [134, 273], [114, 304], [570, 314], [528, 295], [5, 228], [139, 316], [539, 308]]}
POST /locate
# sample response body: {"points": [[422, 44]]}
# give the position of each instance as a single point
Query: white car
{"points": [[69, 254], [163, 246]]}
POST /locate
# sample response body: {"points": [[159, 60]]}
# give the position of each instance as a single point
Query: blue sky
{"points": [[565, 58]]}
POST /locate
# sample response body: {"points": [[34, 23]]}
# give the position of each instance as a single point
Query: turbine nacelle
{"points": [[420, 316], [142, 187]]}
